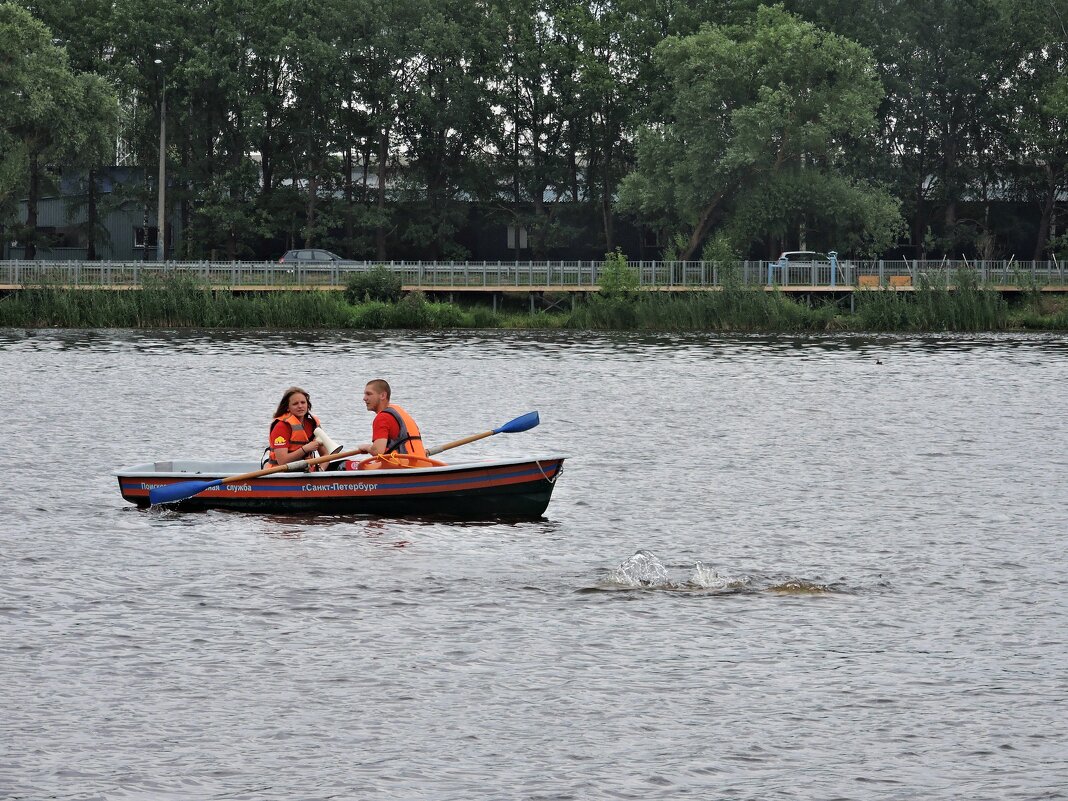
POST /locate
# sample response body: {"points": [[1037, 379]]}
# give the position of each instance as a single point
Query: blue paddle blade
{"points": [[173, 493], [524, 423]]}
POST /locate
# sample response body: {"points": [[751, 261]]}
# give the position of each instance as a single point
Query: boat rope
{"points": [[552, 480]]}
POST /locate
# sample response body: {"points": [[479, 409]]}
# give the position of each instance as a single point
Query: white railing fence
{"points": [[532, 274]]}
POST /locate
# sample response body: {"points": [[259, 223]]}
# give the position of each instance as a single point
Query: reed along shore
{"points": [[182, 303]]}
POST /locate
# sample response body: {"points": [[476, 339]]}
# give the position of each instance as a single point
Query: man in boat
{"points": [[393, 430]]}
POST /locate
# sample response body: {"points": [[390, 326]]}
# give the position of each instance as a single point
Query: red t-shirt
{"points": [[385, 426], [280, 433]]}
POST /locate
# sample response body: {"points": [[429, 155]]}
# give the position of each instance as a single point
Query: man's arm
{"points": [[376, 448], [383, 427]]}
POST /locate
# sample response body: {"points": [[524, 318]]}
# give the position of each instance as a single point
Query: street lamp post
{"points": [[161, 224]]}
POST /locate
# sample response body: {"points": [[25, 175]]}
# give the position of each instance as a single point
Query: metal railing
{"points": [[532, 275]]}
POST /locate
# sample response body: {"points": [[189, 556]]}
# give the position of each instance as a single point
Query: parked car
{"points": [[806, 257], [807, 267], [309, 256]]}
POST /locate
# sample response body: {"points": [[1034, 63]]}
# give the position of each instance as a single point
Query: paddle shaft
{"points": [[292, 466], [460, 442]]}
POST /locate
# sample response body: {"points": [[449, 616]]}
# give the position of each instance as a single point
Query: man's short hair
{"points": [[379, 385]]}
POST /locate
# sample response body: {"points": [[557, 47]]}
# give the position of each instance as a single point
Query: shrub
{"points": [[445, 315], [412, 311], [617, 277], [485, 318], [378, 283], [374, 315]]}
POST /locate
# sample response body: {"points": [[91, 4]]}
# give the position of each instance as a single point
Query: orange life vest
{"points": [[409, 440], [298, 436]]}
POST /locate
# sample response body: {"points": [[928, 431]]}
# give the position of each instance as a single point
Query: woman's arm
{"points": [[280, 446], [283, 455]]}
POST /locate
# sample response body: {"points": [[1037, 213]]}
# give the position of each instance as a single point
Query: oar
{"points": [[524, 423], [172, 493]]}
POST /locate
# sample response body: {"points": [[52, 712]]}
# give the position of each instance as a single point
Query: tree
{"points": [[445, 121], [383, 59], [1039, 94], [84, 29], [535, 141], [751, 117], [57, 116], [616, 81]]}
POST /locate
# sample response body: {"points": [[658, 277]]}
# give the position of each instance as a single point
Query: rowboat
{"points": [[517, 488]]}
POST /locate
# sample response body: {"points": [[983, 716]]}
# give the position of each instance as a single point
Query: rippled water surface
{"points": [[773, 569]]}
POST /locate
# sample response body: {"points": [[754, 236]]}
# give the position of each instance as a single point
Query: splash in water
{"points": [[645, 571], [641, 570], [706, 577]]}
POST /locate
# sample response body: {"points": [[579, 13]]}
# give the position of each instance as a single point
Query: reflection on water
{"points": [[755, 535], [495, 344]]}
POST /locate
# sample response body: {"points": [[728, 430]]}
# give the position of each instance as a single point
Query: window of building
{"points": [[146, 237], [512, 237]]}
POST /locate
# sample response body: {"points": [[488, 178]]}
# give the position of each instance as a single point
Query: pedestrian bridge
{"points": [[541, 277]]}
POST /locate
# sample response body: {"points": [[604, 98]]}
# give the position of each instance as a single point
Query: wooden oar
{"points": [[524, 423], [172, 493]]}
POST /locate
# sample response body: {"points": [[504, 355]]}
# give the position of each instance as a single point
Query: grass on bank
{"points": [[179, 302]]}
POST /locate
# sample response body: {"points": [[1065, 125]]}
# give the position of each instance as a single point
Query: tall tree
{"points": [[217, 123], [756, 117], [618, 80], [536, 91], [384, 68], [446, 121], [1039, 94], [84, 29], [58, 116]]}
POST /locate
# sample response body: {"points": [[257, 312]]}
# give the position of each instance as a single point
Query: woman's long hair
{"points": [[283, 405]]}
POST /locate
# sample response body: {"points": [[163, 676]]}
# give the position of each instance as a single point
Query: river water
{"points": [[774, 568]]}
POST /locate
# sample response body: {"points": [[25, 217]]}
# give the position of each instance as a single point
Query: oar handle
{"points": [[459, 442], [292, 467]]}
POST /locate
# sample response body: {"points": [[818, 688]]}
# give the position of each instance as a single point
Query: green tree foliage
{"points": [[384, 129], [52, 115], [755, 120], [534, 143], [84, 29], [1038, 100], [962, 122], [947, 66], [443, 124]]}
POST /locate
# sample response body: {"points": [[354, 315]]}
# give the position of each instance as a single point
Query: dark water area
{"points": [[774, 568]]}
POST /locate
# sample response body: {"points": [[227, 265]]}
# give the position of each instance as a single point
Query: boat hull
{"points": [[517, 488]]}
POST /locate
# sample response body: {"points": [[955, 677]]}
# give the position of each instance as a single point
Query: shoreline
{"points": [[182, 304]]}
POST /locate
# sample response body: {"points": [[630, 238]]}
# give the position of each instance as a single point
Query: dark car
{"points": [[309, 256]]}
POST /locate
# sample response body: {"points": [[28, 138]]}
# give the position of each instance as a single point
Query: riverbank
{"points": [[181, 304]]}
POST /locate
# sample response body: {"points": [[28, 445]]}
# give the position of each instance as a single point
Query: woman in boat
{"points": [[292, 430]]}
